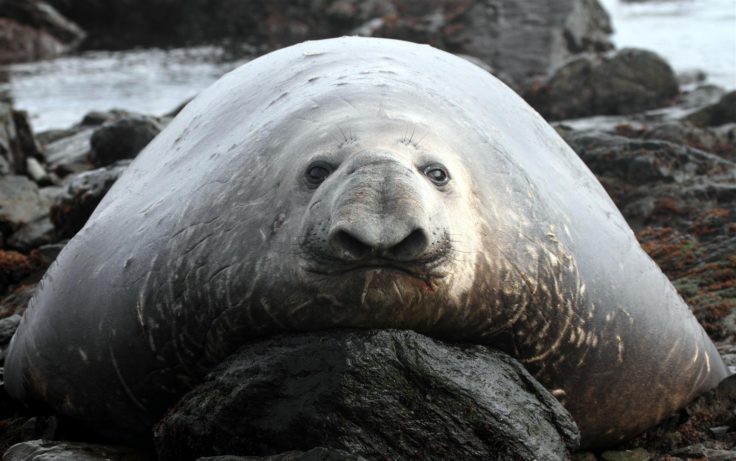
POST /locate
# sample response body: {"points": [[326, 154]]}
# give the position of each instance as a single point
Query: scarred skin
{"points": [[364, 183]]}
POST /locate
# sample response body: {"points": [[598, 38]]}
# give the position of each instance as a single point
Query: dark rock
{"points": [[122, 139], [69, 151], [97, 118], [720, 113], [71, 209], [377, 394], [8, 325], [42, 16], [17, 300], [521, 39], [32, 235], [17, 143], [48, 450], [630, 81], [19, 42], [717, 141], [584, 456], [26, 141], [315, 454]]}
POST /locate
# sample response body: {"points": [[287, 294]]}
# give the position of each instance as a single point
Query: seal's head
{"points": [[387, 232]]}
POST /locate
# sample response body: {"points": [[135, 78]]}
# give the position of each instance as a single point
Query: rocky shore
{"points": [[666, 154]]}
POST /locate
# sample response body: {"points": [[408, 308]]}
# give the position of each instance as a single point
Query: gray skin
{"points": [[305, 191]]}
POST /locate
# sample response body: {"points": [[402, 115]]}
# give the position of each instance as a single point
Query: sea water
{"points": [[690, 34]]}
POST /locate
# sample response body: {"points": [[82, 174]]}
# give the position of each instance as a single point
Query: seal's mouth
{"points": [[421, 273]]}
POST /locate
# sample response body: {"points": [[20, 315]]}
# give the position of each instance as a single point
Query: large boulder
{"points": [[122, 139], [521, 39], [627, 82], [33, 29], [378, 394], [17, 143]]}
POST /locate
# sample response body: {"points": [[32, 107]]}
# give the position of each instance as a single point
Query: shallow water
{"points": [[57, 93]]}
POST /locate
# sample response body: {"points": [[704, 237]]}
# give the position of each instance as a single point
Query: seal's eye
{"points": [[317, 172], [437, 174]]}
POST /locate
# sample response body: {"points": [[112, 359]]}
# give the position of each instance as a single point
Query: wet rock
{"points": [[702, 95], [627, 82], [69, 154], [39, 231], [73, 207], [122, 139], [717, 141], [522, 39], [315, 454], [720, 113], [20, 203], [639, 162], [48, 450], [377, 394], [33, 235], [17, 143]]}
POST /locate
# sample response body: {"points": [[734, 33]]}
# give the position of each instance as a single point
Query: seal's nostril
{"points": [[350, 246], [412, 247]]}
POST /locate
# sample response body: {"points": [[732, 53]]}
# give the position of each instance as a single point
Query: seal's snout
{"points": [[376, 211], [356, 243]]}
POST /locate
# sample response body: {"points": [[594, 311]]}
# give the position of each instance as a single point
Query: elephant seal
{"points": [[358, 183]]}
